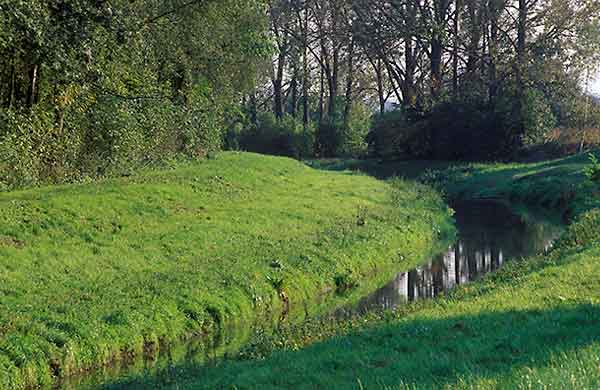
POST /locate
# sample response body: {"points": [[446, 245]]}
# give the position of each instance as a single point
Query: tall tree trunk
{"points": [[11, 88], [349, 84], [437, 46], [294, 93], [278, 85], [455, 58], [520, 68], [377, 67], [437, 50], [321, 94], [253, 108], [305, 75], [409, 91], [333, 83], [493, 51], [474, 39], [33, 79], [332, 76], [396, 82]]}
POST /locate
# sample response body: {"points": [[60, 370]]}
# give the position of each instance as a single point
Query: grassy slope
{"points": [[534, 324], [91, 272]]}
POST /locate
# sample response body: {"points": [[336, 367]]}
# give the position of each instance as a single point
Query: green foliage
{"points": [[584, 231], [464, 129], [344, 282], [353, 140], [286, 137], [338, 139], [592, 171], [94, 88], [538, 118]]}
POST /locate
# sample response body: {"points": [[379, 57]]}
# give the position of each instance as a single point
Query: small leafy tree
{"points": [[592, 171]]}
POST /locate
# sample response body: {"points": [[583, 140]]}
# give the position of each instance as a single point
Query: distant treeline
{"points": [[473, 79]]}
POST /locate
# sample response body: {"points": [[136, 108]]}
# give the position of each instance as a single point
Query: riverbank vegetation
{"points": [[97, 272], [534, 323], [96, 88]]}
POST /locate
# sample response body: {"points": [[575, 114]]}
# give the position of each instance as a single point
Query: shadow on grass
{"points": [[413, 169], [423, 352], [380, 169]]}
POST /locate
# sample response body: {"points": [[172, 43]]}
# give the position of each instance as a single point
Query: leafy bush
{"points": [[286, 137], [89, 93], [353, 139], [584, 231], [538, 117], [397, 134], [344, 282], [451, 131], [592, 171]]}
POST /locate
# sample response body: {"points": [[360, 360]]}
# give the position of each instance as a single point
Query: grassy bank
{"points": [[98, 272], [533, 324]]}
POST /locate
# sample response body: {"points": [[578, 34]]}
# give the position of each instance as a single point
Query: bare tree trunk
{"points": [[253, 108], [294, 88], [409, 91], [332, 77], [11, 88], [333, 85], [349, 84], [305, 75], [31, 93], [437, 46], [474, 39], [321, 94], [520, 68], [436, 66], [458, 6], [493, 52], [377, 67], [278, 86]]}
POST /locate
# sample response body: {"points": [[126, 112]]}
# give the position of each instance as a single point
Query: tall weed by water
{"points": [[592, 171]]}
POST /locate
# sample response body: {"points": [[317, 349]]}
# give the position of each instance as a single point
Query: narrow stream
{"points": [[490, 234]]}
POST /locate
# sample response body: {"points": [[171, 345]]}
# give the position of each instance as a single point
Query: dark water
{"points": [[490, 234]]}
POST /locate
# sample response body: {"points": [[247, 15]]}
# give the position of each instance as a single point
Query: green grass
{"points": [[100, 272], [533, 324]]}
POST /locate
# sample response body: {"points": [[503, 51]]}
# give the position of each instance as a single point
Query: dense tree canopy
{"points": [[89, 86]]}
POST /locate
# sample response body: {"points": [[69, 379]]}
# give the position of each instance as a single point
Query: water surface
{"points": [[489, 235]]}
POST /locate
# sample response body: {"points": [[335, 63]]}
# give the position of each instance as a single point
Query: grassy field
{"points": [[534, 324], [99, 272]]}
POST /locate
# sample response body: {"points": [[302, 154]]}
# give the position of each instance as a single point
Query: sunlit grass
{"points": [[533, 324], [95, 272]]}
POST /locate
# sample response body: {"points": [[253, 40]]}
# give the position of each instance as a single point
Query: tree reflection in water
{"points": [[489, 235]]}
